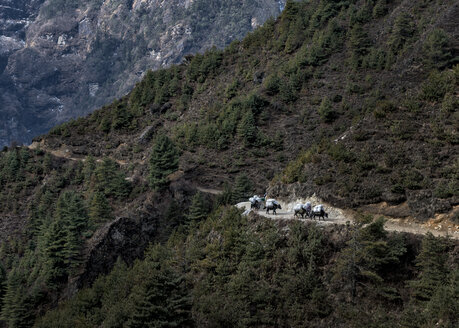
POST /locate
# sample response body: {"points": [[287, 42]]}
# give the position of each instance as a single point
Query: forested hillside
{"points": [[363, 95], [235, 272], [355, 101]]}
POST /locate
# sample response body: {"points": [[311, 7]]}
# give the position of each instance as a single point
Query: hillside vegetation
{"points": [[355, 101], [362, 94], [235, 272]]}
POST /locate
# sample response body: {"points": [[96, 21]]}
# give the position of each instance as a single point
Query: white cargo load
{"points": [[255, 199], [298, 207], [318, 208], [271, 201]]}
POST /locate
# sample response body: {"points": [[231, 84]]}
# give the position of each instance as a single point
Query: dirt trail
{"points": [[210, 191], [64, 152], [339, 216]]}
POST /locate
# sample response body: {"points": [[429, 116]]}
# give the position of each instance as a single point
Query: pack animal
{"points": [[256, 202], [318, 211], [272, 205], [302, 209]]}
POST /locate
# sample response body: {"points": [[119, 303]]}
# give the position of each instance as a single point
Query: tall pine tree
{"points": [[432, 265], [99, 209], [2, 284], [247, 130], [164, 160], [242, 188], [110, 180], [164, 300], [64, 238], [198, 209], [18, 308]]}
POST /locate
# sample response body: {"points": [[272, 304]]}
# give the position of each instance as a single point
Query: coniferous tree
{"points": [[110, 180], [88, 169], [105, 124], [438, 49], [272, 84], [380, 9], [174, 214], [3, 280], [24, 156], [71, 210], [99, 209], [287, 91], [198, 209], [12, 165], [403, 31], [163, 301], [164, 160], [433, 270], [56, 269], [226, 196], [348, 265], [305, 250], [242, 189], [47, 163], [367, 253], [444, 305], [326, 112], [17, 310], [247, 129], [76, 217], [64, 239], [41, 211], [360, 44]]}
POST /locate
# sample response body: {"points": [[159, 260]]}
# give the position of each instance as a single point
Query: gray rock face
{"points": [[62, 59]]}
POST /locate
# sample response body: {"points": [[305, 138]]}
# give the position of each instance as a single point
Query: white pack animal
{"points": [[318, 211], [255, 202], [272, 204], [302, 209]]}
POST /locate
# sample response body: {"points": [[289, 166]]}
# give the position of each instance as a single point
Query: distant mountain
{"points": [[62, 59]]}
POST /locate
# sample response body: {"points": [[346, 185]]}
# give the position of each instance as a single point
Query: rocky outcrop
{"points": [[61, 59], [123, 238], [128, 236]]}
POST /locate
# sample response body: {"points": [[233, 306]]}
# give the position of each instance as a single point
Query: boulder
{"points": [[146, 134]]}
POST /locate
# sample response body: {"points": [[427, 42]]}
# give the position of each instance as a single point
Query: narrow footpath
{"points": [[342, 217]]}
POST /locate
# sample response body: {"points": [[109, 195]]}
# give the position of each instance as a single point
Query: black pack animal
{"points": [[302, 209], [321, 214], [256, 204], [272, 206]]}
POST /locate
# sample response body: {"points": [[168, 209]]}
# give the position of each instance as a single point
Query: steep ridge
{"points": [[372, 115]]}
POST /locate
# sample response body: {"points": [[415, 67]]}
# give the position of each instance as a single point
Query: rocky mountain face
{"points": [[15, 17], [61, 59]]}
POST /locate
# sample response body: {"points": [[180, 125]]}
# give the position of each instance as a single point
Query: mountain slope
{"points": [[361, 100]]}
